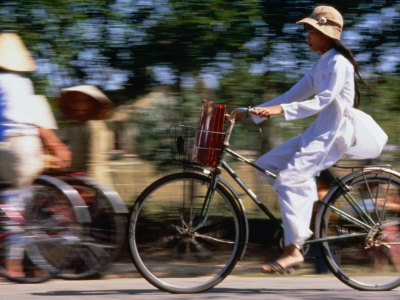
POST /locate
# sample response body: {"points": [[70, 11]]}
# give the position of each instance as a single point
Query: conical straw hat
{"points": [[70, 96], [14, 56]]}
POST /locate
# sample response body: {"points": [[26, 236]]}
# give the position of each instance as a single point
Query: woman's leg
{"points": [[277, 159], [296, 200], [296, 188]]}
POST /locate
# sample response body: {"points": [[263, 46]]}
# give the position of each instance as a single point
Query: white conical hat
{"points": [[14, 56], [70, 95]]}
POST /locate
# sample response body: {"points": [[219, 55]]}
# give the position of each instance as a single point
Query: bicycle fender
{"points": [[80, 206], [116, 201]]}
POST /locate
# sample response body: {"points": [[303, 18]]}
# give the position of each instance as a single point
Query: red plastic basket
{"points": [[210, 134]]}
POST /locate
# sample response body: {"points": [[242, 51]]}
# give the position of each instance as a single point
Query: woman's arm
{"points": [[300, 91], [267, 112], [331, 87], [55, 146]]}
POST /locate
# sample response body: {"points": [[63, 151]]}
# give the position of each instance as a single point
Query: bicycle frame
{"points": [[366, 222]]}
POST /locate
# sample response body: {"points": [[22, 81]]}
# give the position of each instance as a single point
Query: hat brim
{"points": [[102, 111], [329, 31]]}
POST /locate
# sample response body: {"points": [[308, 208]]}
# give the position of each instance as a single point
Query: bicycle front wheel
{"points": [[364, 227], [173, 246]]}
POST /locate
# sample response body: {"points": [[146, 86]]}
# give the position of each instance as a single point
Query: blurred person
{"points": [[87, 134], [26, 129], [335, 132]]}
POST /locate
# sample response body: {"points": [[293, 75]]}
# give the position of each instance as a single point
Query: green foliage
{"points": [[117, 45]]}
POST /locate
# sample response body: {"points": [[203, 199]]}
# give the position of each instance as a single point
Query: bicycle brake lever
{"points": [[247, 110], [249, 117]]}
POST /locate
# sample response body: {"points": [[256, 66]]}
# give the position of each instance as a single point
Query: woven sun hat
{"points": [[327, 20], [73, 100], [14, 56]]}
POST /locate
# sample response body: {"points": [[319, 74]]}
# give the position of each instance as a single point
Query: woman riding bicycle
{"points": [[298, 161]]}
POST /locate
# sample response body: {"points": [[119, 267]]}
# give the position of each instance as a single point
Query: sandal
{"points": [[277, 268]]}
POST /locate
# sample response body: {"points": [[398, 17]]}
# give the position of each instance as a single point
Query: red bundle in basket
{"points": [[210, 134]]}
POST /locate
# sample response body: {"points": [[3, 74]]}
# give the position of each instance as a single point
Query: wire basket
{"points": [[182, 138], [210, 134]]}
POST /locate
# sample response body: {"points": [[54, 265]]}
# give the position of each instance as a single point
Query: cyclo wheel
{"points": [[52, 226], [165, 246], [106, 233], [367, 257]]}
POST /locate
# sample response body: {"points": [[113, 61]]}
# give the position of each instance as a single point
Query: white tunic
{"points": [[299, 160], [21, 112]]}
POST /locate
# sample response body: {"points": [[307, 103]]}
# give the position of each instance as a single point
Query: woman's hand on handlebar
{"points": [[243, 113], [268, 111]]}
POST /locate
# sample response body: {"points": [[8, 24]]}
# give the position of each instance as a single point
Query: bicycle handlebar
{"points": [[232, 120]]}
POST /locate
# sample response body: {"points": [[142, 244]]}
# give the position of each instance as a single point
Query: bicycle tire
{"points": [[365, 262], [106, 233], [166, 250], [54, 221]]}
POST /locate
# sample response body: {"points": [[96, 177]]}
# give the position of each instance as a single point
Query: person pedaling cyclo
{"points": [[26, 128]]}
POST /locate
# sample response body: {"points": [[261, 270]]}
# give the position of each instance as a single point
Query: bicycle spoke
{"points": [[363, 255], [180, 244], [213, 239]]}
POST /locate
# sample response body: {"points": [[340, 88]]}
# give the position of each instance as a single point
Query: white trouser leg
{"points": [[20, 162], [277, 159], [296, 200], [295, 185]]}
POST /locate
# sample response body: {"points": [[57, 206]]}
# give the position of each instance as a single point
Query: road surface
{"points": [[234, 287]]}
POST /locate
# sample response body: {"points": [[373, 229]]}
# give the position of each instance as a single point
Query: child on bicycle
{"points": [[299, 160]]}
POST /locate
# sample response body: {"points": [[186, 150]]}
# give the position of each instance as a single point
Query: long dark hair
{"points": [[346, 52]]}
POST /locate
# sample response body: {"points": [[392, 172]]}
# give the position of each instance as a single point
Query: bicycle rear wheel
{"points": [[106, 233], [165, 245], [364, 252], [52, 226]]}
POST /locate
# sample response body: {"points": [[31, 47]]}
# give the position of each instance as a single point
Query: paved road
{"points": [[282, 287]]}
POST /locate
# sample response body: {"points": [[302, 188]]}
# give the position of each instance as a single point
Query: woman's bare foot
{"points": [[291, 256]]}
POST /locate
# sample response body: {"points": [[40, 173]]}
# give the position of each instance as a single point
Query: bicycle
{"points": [[187, 230], [51, 226], [105, 234]]}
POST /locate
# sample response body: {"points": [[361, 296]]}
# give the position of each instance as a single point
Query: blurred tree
{"points": [[64, 36], [186, 36], [127, 44], [253, 48]]}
